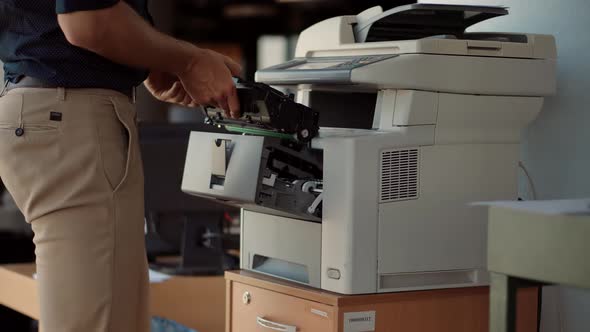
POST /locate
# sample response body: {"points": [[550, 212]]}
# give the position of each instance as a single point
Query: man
{"points": [[69, 147]]}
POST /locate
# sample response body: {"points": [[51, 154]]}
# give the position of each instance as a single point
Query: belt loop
{"points": [[4, 88], [61, 93]]}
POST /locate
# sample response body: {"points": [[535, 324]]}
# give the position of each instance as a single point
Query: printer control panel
{"points": [[357, 62], [327, 70], [332, 63]]}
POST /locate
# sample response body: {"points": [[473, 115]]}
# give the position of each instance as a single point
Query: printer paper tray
{"points": [[282, 247]]}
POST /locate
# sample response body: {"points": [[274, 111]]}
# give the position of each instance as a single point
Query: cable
{"points": [[529, 179]]}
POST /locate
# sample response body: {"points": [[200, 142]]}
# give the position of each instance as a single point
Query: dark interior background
{"points": [[241, 23]]}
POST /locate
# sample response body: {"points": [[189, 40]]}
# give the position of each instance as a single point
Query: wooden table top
{"points": [[196, 302], [18, 289]]}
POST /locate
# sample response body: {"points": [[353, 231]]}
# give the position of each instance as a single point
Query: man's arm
{"points": [[119, 34]]}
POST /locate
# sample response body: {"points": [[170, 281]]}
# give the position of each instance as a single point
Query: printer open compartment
{"points": [[291, 179], [260, 173]]}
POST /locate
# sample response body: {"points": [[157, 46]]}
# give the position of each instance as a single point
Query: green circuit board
{"points": [[258, 132]]}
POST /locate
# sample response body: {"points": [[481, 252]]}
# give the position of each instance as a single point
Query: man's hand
{"points": [[168, 88], [208, 81]]}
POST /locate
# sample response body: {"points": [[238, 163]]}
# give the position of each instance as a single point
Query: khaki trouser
{"points": [[71, 160]]}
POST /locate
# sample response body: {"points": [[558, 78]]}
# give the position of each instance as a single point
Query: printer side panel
{"points": [[350, 219], [438, 240]]}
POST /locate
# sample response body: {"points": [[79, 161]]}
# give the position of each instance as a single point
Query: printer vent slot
{"points": [[399, 175]]}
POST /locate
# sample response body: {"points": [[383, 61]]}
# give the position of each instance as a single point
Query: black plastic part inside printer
{"points": [[265, 108]]}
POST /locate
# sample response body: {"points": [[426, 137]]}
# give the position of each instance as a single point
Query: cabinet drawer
{"points": [[255, 309]]}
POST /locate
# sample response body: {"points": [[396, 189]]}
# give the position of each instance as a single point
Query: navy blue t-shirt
{"points": [[32, 44]]}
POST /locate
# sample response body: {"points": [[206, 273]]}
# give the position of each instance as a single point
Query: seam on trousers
{"points": [[5, 86], [21, 123], [113, 209], [130, 159], [113, 219], [114, 252]]}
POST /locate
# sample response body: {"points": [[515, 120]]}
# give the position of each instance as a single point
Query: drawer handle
{"points": [[275, 326]]}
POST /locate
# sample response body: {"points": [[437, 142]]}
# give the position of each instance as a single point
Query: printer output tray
{"points": [[422, 20]]}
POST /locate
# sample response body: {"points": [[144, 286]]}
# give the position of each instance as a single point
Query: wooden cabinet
{"points": [[258, 303], [254, 308]]}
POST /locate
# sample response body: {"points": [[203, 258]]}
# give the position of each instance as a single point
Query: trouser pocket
{"points": [[117, 136], [16, 119]]}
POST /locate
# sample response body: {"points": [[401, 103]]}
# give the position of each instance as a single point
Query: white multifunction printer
{"points": [[417, 118]]}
